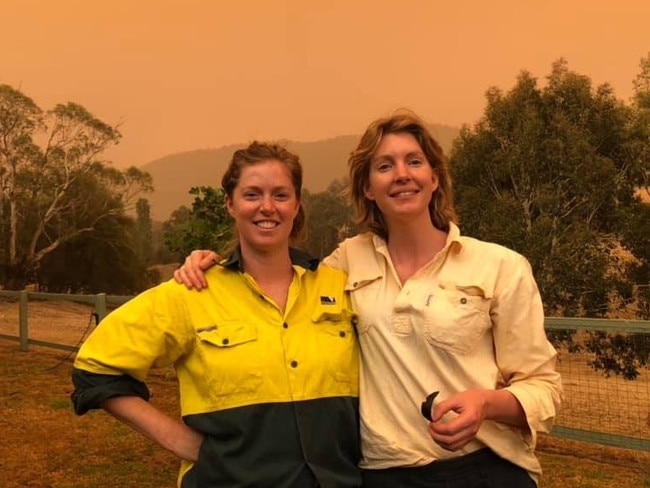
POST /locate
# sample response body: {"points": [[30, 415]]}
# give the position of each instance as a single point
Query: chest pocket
{"points": [[230, 352], [335, 333], [456, 318]]}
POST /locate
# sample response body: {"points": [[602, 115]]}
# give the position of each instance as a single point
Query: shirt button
{"points": [[285, 325], [225, 342], [463, 300], [294, 364], [355, 284], [342, 333]]}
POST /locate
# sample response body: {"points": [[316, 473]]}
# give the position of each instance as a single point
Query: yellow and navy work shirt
{"points": [[275, 393], [471, 318]]}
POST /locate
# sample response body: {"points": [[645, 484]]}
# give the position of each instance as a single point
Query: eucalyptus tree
{"points": [[46, 158]]}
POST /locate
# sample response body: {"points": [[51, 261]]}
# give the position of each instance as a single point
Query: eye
{"points": [[416, 162], [250, 195], [383, 166], [282, 196]]}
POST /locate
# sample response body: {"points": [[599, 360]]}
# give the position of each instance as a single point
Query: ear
{"points": [[435, 179], [229, 207], [368, 193]]}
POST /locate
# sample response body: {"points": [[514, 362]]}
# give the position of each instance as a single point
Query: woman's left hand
{"points": [[471, 408], [453, 432]]}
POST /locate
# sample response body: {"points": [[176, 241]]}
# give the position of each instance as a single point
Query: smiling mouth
{"points": [[404, 193], [267, 224]]}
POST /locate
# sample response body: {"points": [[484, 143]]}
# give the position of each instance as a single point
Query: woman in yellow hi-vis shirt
{"points": [[267, 360]]}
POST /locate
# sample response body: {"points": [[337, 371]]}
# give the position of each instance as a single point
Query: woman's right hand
{"points": [[191, 273]]}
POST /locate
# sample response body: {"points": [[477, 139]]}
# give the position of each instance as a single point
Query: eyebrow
{"points": [[275, 188], [380, 157]]}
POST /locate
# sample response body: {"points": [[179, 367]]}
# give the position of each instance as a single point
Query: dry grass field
{"points": [[45, 445], [611, 405]]}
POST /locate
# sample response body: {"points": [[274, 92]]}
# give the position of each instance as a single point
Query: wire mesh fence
{"points": [[604, 401], [606, 380]]}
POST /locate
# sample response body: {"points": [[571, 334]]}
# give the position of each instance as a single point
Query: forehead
{"points": [[268, 173], [397, 143]]}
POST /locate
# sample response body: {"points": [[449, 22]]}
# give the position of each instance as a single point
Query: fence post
{"points": [[23, 333], [100, 306]]}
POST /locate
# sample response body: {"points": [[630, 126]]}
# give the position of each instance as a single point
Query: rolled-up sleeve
{"points": [[151, 330], [92, 389]]}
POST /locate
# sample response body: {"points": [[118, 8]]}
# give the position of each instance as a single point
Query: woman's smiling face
{"points": [[401, 181], [264, 206]]}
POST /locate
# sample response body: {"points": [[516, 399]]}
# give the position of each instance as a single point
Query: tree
{"points": [[207, 225], [636, 227], [143, 232], [330, 219], [554, 173], [102, 261], [42, 199], [20, 117]]}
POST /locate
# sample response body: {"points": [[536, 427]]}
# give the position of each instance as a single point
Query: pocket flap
{"points": [[330, 310], [228, 334]]}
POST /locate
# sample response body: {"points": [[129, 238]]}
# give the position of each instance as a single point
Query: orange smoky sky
{"points": [[195, 74]]}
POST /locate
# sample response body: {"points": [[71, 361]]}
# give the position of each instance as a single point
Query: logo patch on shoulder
{"points": [[327, 300]]}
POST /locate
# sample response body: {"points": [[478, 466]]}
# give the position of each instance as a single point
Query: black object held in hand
{"points": [[427, 404]]}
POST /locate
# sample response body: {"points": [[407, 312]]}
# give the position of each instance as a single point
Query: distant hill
{"points": [[323, 161]]}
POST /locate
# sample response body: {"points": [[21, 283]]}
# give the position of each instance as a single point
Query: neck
{"points": [[266, 264], [271, 270], [412, 245]]}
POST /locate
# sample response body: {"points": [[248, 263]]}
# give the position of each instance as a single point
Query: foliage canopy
{"points": [[555, 172], [57, 191]]}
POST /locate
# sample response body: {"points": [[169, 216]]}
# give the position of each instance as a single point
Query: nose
{"points": [[266, 204], [402, 172]]}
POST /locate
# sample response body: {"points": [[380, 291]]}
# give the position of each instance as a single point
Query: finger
{"points": [[181, 278], [451, 442], [440, 410], [194, 277], [177, 276], [207, 261], [196, 263]]}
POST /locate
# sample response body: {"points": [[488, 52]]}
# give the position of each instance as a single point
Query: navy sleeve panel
{"points": [[92, 389]]}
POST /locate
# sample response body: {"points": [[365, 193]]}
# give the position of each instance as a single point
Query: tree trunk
{"points": [[16, 277]]}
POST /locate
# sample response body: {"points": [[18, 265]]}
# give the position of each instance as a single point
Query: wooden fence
{"points": [[596, 408]]}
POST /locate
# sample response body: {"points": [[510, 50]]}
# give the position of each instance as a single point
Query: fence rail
{"points": [[597, 408]]}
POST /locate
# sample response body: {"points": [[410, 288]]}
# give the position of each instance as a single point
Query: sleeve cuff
{"points": [[92, 389]]}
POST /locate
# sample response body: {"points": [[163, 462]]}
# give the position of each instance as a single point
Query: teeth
{"points": [[404, 193], [266, 224]]}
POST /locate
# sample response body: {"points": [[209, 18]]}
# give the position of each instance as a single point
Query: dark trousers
{"points": [[480, 469]]}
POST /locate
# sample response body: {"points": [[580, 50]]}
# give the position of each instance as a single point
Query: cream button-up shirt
{"points": [[470, 318]]}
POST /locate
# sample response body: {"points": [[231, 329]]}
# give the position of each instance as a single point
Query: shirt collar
{"points": [[454, 240], [298, 258]]}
